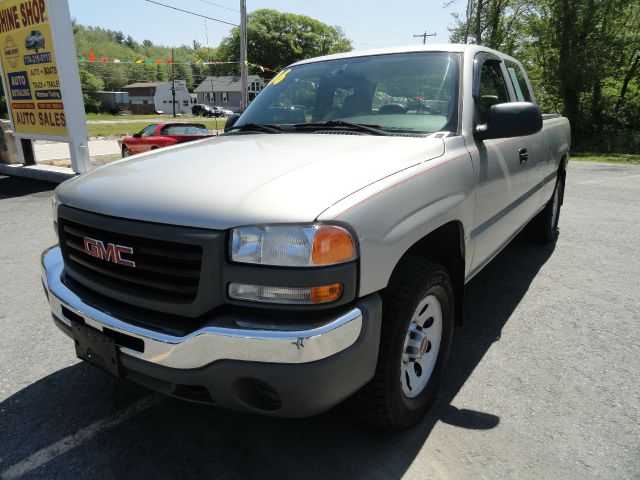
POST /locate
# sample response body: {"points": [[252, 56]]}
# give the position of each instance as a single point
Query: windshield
{"points": [[411, 92]]}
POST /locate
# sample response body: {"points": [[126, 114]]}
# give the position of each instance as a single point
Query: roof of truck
{"points": [[444, 47]]}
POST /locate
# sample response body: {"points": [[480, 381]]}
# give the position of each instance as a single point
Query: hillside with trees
{"points": [[129, 61], [269, 47]]}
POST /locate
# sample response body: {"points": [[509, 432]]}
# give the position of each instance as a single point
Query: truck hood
{"points": [[229, 181]]}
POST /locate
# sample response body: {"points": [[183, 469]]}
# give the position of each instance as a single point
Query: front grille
{"points": [[161, 268], [177, 269]]}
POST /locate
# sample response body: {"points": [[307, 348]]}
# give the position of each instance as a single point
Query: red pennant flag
{"points": [[105, 59], [159, 62], [168, 62], [92, 56]]}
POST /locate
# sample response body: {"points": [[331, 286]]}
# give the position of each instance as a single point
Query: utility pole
{"points": [[243, 54], [425, 35], [173, 84]]}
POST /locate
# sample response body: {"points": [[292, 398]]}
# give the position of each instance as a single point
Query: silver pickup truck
{"points": [[318, 250]]}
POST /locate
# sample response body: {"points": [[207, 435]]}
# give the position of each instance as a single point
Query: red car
{"points": [[163, 134]]}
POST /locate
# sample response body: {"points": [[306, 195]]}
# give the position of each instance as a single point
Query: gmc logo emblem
{"points": [[110, 253]]}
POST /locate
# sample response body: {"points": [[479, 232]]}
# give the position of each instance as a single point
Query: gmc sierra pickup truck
{"points": [[318, 250]]}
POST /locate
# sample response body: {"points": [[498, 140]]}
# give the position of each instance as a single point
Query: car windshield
{"points": [[185, 129], [411, 92]]}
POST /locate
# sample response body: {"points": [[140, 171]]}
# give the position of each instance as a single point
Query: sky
{"points": [[368, 24]]}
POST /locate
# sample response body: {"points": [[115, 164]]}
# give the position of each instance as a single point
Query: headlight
{"points": [[292, 245]]}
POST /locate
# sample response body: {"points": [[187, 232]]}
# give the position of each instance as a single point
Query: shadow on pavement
{"points": [[175, 439], [11, 187]]}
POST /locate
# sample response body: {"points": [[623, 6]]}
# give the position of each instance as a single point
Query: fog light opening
{"points": [[258, 394]]}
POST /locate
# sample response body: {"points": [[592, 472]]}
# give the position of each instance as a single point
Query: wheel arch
{"points": [[444, 245], [562, 172], [564, 160]]}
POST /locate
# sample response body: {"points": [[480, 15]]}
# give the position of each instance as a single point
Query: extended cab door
{"points": [[537, 145], [505, 179]]}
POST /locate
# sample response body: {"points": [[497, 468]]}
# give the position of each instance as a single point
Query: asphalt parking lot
{"points": [[543, 380]]}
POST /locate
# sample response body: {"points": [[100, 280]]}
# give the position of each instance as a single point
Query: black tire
{"points": [[125, 151], [544, 226], [382, 401]]}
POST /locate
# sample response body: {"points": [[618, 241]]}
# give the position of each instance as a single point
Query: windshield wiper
{"points": [[373, 129], [271, 128]]}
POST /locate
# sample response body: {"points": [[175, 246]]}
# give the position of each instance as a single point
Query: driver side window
{"points": [[148, 131], [493, 89]]}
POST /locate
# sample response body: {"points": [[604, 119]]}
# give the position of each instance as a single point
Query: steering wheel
{"points": [[419, 108]]}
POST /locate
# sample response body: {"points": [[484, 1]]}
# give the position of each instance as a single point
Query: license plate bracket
{"points": [[96, 348]]}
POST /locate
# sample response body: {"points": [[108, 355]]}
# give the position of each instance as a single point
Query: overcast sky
{"points": [[368, 23]]}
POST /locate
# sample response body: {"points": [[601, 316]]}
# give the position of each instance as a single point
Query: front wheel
{"points": [[125, 151], [417, 326]]}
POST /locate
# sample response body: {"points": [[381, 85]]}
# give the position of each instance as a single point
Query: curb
{"points": [[45, 173]]}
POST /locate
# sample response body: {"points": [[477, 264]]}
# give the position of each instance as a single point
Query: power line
{"points": [[191, 13], [221, 6]]}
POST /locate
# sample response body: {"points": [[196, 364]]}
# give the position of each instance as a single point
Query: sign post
{"points": [[40, 75]]}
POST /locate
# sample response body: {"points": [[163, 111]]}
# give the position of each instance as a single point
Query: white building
{"points": [[157, 97], [226, 92]]}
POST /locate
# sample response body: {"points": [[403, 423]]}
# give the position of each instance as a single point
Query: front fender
{"points": [[392, 215]]}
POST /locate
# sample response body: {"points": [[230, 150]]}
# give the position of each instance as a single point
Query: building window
{"points": [[145, 102], [225, 97], [185, 103]]}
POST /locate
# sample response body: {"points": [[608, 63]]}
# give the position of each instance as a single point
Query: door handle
{"points": [[524, 155]]}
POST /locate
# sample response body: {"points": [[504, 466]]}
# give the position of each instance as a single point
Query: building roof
{"points": [[144, 85], [224, 84]]}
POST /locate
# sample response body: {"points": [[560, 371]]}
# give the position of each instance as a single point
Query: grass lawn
{"points": [[108, 116], [622, 158], [129, 127]]}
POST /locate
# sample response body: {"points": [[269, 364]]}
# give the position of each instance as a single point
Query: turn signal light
{"points": [[326, 294], [286, 295], [332, 245]]}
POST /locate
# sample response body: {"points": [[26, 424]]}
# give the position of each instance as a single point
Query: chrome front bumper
{"points": [[210, 343]]}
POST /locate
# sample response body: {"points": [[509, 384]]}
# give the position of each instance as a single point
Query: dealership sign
{"points": [[40, 74]]}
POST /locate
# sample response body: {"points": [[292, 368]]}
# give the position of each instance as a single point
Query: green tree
{"points": [[276, 39], [588, 49], [90, 85], [582, 56], [493, 23]]}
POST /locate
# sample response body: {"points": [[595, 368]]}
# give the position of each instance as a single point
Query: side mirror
{"points": [[231, 121], [136, 135], [505, 120]]}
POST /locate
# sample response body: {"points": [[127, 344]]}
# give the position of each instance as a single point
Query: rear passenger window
{"points": [[518, 82], [493, 89]]}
